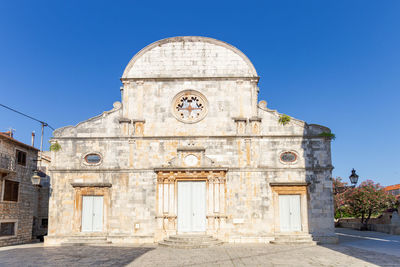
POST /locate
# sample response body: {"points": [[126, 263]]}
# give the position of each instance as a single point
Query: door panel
{"points": [[87, 211], [284, 214], [199, 206], [289, 213], [184, 207], [295, 220], [97, 214]]}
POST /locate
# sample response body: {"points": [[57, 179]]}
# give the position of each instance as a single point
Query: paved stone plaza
{"points": [[356, 249]]}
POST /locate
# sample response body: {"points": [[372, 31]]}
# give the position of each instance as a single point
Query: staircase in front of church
{"points": [[86, 240], [190, 241], [293, 239]]}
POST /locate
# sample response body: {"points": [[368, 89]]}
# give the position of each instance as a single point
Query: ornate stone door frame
{"points": [[92, 189], [167, 200], [290, 189]]}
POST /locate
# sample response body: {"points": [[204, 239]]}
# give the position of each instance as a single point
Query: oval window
{"points": [[92, 158], [288, 157]]}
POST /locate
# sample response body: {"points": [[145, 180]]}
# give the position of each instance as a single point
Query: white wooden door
{"points": [[191, 206], [92, 213], [289, 213]]}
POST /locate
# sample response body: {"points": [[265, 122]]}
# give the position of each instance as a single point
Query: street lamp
{"points": [[353, 178], [35, 178]]}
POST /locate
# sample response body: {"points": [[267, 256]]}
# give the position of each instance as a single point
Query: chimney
{"points": [[33, 139]]}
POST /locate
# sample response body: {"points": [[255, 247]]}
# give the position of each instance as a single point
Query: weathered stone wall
{"points": [[134, 181], [141, 134], [20, 212]]}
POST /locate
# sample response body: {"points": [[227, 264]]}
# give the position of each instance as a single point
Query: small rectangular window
{"points": [[45, 223], [7, 228], [11, 189], [21, 157]]}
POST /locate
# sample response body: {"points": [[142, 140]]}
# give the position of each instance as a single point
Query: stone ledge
{"points": [[188, 148], [236, 119], [255, 119], [124, 120], [192, 169], [91, 184], [290, 184]]}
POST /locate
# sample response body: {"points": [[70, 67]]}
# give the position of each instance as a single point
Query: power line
{"points": [[32, 118]]}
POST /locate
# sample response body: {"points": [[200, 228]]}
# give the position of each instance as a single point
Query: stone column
{"points": [[254, 97]]}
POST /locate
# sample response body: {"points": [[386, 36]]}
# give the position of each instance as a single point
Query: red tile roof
{"points": [[392, 187]]}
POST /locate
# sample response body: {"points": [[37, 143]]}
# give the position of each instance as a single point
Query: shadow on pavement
{"points": [[72, 256], [376, 248]]}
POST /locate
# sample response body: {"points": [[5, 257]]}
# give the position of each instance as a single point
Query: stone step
{"points": [[86, 241], [77, 244], [191, 238], [189, 246], [305, 238], [183, 242], [87, 238], [190, 241], [313, 243], [293, 238]]}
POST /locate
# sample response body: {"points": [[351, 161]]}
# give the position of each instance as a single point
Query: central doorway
{"points": [[191, 207]]}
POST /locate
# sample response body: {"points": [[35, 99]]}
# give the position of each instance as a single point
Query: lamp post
{"points": [[35, 178], [353, 180]]}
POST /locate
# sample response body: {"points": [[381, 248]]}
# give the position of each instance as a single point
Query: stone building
{"points": [[189, 149], [23, 206]]}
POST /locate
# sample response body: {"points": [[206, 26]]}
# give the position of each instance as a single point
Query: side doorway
{"points": [[92, 213], [290, 213]]}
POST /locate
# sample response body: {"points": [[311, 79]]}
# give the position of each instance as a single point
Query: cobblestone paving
{"points": [[226, 255]]}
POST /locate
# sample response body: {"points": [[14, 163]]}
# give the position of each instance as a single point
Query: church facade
{"points": [[190, 149]]}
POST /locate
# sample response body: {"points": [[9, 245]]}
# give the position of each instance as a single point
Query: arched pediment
{"points": [[189, 56]]}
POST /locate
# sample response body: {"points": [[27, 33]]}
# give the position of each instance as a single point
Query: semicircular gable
{"points": [[189, 56]]}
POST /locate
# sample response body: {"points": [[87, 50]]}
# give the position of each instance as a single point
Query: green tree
{"points": [[339, 197], [367, 199]]}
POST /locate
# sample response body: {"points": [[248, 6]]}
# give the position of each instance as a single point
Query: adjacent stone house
{"points": [[23, 206], [190, 149]]}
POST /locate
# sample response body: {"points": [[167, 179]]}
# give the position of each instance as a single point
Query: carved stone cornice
{"points": [[124, 120], [237, 119], [290, 184], [91, 184]]}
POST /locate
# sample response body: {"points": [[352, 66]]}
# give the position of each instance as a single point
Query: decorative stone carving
{"points": [[241, 124], [255, 125], [189, 106]]}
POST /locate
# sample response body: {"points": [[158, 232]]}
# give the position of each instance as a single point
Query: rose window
{"points": [[189, 106]]}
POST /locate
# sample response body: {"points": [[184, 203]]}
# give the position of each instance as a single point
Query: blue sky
{"points": [[335, 63]]}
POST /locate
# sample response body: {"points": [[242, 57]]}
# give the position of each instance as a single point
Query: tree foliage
{"points": [[362, 202], [339, 197], [367, 199]]}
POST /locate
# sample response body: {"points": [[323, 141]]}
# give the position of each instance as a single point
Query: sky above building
{"points": [[334, 63]]}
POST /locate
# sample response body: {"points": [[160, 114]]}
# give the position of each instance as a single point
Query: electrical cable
{"points": [[23, 114]]}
